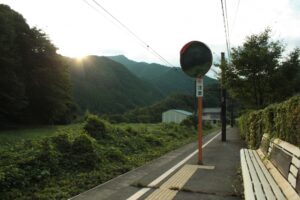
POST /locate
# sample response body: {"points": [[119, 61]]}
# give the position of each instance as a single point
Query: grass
{"points": [[58, 162], [12, 137], [151, 127], [208, 131]]}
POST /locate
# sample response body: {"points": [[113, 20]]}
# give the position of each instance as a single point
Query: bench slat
{"points": [[288, 147], [261, 175], [270, 179], [249, 194], [256, 183]]}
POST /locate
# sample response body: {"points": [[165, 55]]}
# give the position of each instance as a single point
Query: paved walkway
{"points": [[217, 179]]}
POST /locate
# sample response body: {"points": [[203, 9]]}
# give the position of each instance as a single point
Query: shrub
{"points": [[12, 177], [278, 120], [96, 127], [62, 143], [114, 154], [83, 153], [207, 125], [190, 121], [153, 140], [46, 159], [66, 164]]}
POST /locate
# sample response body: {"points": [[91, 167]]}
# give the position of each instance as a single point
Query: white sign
{"points": [[199, 87]]}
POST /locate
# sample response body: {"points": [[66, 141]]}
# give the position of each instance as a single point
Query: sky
{"points": [[79, 28]]}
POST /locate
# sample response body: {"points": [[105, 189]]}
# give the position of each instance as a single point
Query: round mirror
{"points": [[195, 59]]}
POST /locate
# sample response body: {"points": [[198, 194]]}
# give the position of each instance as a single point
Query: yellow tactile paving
{"points": [[176, 181], [159, 194], [181, 177]]}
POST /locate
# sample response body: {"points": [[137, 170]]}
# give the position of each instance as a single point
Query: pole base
{"points": [[208, 167]]}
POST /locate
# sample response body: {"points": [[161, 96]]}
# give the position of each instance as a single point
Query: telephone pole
{"points": [[223, 97]]}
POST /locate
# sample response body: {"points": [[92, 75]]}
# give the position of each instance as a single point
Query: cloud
{"points": [[295, 5], [293, 42]]}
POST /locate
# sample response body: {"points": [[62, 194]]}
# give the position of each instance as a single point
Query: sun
{"points": [[80, 58], [73, 53]]}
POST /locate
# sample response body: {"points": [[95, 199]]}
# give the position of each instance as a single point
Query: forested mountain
{"points": [[167, 80], [34, 82], [104, 86], [39, 86], [152, 114], [101, 85], [144, 71]]}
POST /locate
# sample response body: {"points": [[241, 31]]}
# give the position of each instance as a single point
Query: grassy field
{"points": [[11, 137], [152, 127], [58, 162]]}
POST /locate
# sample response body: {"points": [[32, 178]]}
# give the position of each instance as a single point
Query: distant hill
{"points": [[166, 79], [101, 85], [144, 71], [152, 114]]}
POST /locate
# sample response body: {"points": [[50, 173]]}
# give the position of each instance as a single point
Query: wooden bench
{"points": [[272, 171]]}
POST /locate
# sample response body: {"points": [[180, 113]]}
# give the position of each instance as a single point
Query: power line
{"points": [[228, 36], [126, 28], [99, 12], [235, 15], [225, 21]]}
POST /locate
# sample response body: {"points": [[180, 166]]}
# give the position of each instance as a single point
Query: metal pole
{"points": [[223, 113], [195, 100], [200, 131], [231, 115], [223, 97]]}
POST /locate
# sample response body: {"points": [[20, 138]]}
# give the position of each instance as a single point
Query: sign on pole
{"points": [[195, 61], [199, 87]]}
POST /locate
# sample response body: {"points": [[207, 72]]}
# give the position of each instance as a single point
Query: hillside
{"points": [[101, 85], [144, 71], [167, 80], [152, 114]]}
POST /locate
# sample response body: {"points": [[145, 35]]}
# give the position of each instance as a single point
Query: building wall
{"points": [[173, 116]]}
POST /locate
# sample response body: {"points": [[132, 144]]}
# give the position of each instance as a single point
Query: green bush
{"points": [[83, 153], [114, 154], [96, 127], [190, 121], [72, 161], [12, 177], [207, 125], [62, 143], [278, 120], [153, 140]]}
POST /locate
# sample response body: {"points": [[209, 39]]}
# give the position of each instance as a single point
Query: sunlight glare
{"points": [[80, 58], [77, 55]]}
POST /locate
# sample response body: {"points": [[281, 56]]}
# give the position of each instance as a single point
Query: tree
{"points": [[34, 81], [47, 79], [12, 88], [257, 74], [288, 76]]}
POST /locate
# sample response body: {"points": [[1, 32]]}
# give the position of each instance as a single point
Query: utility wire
{"points": [[235, 16], [228, 35], [142, 42], [225, 21], [99, 12]]}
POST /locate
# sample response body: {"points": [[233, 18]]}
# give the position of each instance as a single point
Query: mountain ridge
{"points": [[102, 85], [168, 80]]}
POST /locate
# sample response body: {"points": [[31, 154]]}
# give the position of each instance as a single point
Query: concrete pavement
{"points": [[187, 181]]}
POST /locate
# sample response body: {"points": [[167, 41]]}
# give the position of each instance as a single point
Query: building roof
{"points": [[180, 111], [211, 110]]}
